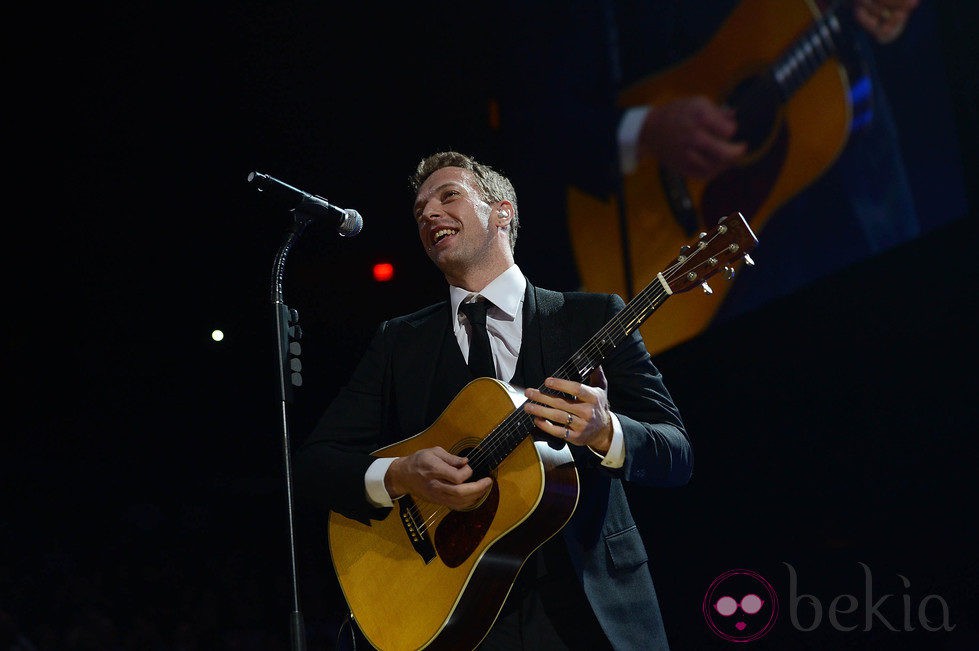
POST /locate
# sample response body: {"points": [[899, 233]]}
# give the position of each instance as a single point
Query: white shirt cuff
{"points": [[628, 137], [615, 457], [377, 494]]}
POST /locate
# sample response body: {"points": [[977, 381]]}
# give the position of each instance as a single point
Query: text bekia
{"points": [[843, 611]]}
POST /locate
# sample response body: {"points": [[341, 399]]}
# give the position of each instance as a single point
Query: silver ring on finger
{"points": [[567, 433], [570, 418]]}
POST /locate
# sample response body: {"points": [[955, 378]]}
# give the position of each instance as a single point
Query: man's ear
{"points": [[504, 213]]}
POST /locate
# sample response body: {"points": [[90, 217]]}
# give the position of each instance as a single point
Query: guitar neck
{"points": [[725, 244], [808, 52], [505, 438], [622, 325]]}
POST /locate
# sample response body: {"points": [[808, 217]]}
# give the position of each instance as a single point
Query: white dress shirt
{"points": [[504, 319], [628, 136]]}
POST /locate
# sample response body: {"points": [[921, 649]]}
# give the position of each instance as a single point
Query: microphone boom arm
{"points": [[311, 205]]}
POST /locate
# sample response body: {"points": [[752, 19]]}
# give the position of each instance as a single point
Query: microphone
{"points": [[350, 221]]}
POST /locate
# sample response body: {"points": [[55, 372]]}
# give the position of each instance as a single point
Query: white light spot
{"points": [[217, 335]]}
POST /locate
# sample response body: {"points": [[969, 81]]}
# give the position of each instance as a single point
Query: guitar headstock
{"points": [[716, 250]]}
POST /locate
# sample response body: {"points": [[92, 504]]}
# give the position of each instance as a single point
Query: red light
{"points": [[383, 272]]}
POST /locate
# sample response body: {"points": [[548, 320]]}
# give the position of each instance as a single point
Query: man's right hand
{"points": [[436, 476], [691, 136]]}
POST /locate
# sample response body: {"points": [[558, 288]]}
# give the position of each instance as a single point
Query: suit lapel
{"points": [[452, 374], [418, 373], [530, 361], [553, 332]]}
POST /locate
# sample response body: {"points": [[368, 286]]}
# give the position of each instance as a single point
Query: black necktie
{"points": [[480, 355]]}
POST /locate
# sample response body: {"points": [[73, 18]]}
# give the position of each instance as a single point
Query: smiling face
{"points": [[463, 234]]}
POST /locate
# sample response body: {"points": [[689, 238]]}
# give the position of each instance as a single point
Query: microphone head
{"points": [[352, 223], [258, 179]]}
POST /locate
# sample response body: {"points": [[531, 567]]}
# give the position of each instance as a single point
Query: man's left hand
{"points": [[884, 19], [580, 416]]}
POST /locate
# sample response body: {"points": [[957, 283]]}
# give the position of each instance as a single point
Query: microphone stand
{"points": [[288, 333]]}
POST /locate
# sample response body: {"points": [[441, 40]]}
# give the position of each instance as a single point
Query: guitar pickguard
{"points": [[460, 532], [747, 186]]}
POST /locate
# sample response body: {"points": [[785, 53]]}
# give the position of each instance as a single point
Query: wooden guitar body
{"points": [[403, 600]]}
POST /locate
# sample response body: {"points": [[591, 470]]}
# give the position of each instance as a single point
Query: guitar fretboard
{"points": [[504, 439], [729, 241], [807, 53]]}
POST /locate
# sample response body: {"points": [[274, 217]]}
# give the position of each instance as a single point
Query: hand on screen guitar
{"points": [[746, 123]]}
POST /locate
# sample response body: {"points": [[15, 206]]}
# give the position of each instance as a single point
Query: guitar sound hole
{"points": [[467, 448], [757, 102]]}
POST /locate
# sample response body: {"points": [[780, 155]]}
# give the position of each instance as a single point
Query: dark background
{"points": [[143, 501]]}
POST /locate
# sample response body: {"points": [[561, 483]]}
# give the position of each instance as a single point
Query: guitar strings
{"points": [[518, 423], [637, 311]]}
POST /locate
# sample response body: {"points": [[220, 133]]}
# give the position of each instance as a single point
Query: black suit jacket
{"points": [[403, 383]]}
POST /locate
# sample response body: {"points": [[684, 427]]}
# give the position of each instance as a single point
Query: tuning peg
{"points": [[748, 260], [707, 289], [685, 249], [729, 273]]}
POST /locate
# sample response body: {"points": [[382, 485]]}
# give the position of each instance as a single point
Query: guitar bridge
{"points": [[417, 532]]}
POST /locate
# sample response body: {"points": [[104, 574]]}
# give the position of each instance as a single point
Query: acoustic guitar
{"points": [[779, 65], [425, 576]]}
